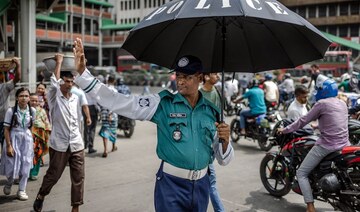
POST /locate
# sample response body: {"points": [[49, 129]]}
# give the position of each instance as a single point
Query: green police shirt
{"points": [[187, 137], [197, 126]]}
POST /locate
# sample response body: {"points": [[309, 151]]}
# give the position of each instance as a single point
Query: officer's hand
{"points": [[80, 61], [223, 130]]}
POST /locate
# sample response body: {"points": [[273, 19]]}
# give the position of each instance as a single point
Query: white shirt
{"points": [[231, 87], [65, 118], [271, 91], [288, 85], [296, 110]]}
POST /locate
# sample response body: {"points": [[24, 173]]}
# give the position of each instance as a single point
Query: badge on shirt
{"points": [[177, 115], [177, 133], [144, 102]]}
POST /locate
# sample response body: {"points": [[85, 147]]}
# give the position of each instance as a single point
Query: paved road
{"points": [[124, 181]]}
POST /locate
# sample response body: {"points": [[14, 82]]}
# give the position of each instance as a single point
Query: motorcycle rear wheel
{"points": [[271, 179], [264, 143], [235, 130]]}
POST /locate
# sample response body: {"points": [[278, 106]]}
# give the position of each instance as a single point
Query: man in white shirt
{"points": [[66, 144], [298, 108], [271, 90]]}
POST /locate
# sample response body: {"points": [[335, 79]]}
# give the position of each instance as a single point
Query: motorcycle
{"points": [[127, 125], [335, 180], [354, 131], [258, 127]]}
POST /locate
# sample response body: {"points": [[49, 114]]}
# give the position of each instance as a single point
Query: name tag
{"points": [[177, 115]]}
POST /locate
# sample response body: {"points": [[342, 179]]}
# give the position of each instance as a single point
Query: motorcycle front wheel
{"points": [[235, 130], [273, 176]]}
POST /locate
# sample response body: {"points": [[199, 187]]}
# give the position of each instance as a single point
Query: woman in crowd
{"points": [[17, 154]]}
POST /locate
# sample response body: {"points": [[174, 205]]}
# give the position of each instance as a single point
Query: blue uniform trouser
{"points": [[214, 194], [180, 195]]}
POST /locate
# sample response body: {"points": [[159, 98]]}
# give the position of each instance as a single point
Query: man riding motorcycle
{"points": [[331, 113], [256, 103], [271, 90]]}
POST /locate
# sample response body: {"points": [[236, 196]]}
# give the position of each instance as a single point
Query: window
{"points": [[332, 30], [332, 10], [344, 9], [322, 10], [322, 28], [145, 3], [355, 8], [312, 12], [354, 30], [126, 5], [302, 12], [121, 5], [343, 31]]}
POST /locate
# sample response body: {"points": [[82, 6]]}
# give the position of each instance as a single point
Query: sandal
{"points": [[38, 204], [114, 149], [104, 155]]}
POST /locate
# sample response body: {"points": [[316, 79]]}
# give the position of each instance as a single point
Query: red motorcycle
{"points": [[335, 180]]}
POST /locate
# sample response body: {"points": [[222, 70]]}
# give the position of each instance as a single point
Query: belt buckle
{"points": [[195, 174]]}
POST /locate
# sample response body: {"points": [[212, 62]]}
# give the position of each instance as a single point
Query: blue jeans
{"points": [[177, 194], [243, 114], [214, 194]]}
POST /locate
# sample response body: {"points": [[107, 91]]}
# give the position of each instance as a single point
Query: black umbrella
{"points": [[227, 35]]}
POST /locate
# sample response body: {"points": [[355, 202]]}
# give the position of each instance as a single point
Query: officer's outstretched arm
{"points": [[130, 106]]}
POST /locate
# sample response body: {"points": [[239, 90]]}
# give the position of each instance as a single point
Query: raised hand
{"points": [[80, 61]]}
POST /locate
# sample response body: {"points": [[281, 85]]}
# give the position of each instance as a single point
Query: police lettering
{"points": [[204, 5]]}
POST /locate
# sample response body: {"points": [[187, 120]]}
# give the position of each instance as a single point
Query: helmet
{"points": [[268, 76], [344, 77], [325, 88]]}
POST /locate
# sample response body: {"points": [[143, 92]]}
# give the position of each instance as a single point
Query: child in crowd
{"points": [[41, 133], [17, 154], [109, 123]]}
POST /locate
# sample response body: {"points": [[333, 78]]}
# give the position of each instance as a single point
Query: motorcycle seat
{"points": [[306, 131], [253, 118], [332, 155]]}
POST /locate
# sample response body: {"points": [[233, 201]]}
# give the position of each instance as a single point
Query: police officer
{"points": [[187, 128]]}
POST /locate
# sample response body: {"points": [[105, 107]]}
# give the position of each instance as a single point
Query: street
{"points": [[124, 181]]}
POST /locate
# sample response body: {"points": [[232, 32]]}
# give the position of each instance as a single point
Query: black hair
{"points": [[67, 74], [314, 66], [40, 84], [33, 94], [301, 89], [14, 121], [111, 79]]}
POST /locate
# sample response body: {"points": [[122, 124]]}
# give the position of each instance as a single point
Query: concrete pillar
{"points": [[28, 42]]}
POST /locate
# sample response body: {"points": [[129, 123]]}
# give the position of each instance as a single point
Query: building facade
{"points": [[337, 17]]}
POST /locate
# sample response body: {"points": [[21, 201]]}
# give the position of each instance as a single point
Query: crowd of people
{"points": [[189, 130]]}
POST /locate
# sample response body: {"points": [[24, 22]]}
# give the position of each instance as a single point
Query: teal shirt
{"points": [[256, 100], [194, 149]]}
